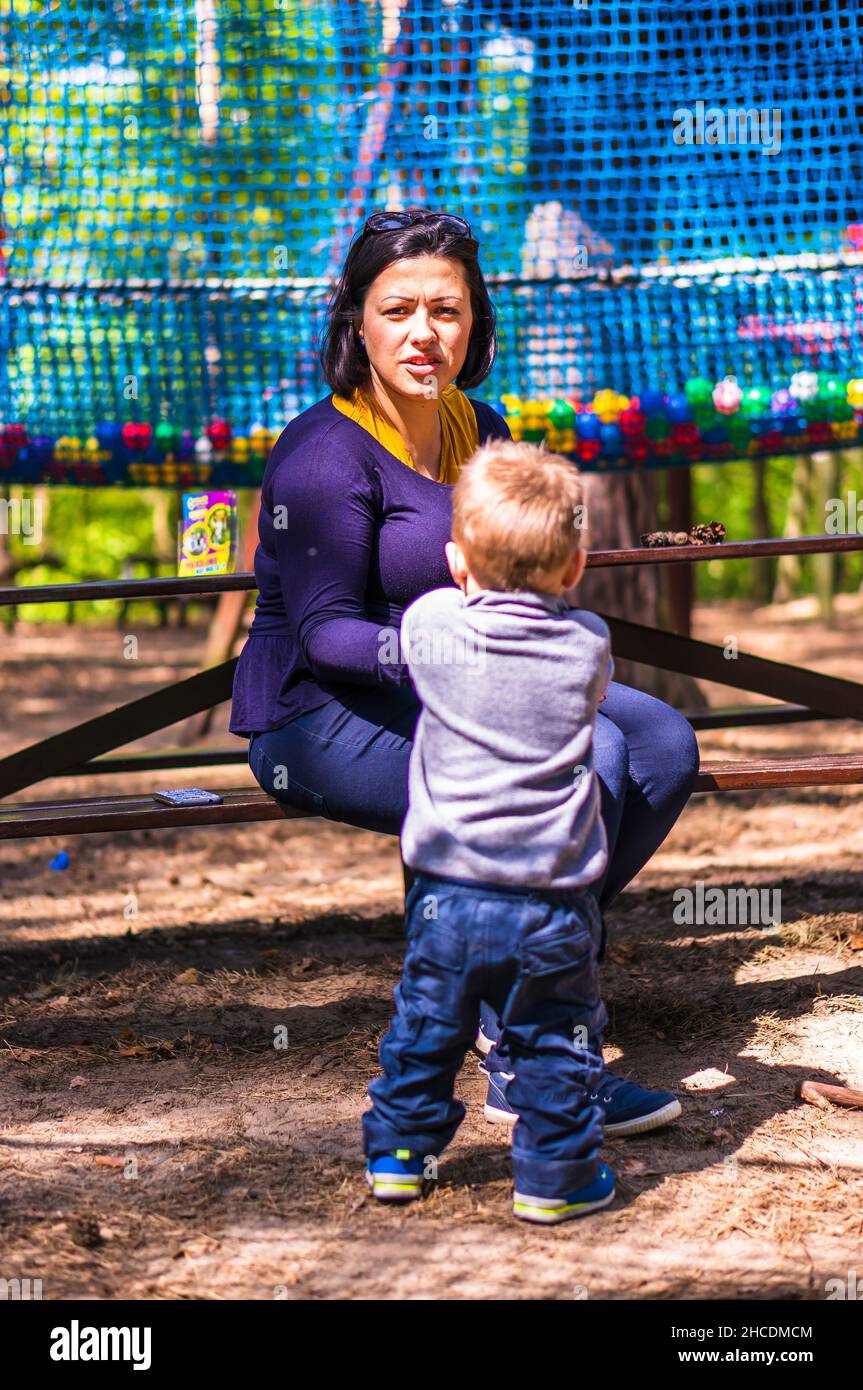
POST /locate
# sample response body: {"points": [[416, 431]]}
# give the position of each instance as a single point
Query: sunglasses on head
{"points": [[389, 221]]}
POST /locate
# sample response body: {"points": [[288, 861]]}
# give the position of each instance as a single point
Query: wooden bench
{"points": [[32, 819], [800, 694]]}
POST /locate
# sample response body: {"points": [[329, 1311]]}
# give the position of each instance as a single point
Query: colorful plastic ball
{"points": [[561, 415], [855, 393], [727, 396], [685, 434], [219, 434], [609, 406], [756, 402], [782, 403], [41, 450], [704, 415], [14, 437], [587, 425], [167, 436], [804, 386], [137, 434], [679, 410], [632, 421], [831, 387], [651, 402], [698, 390], [772, 441], [636, 448], [716, 434], [203, 448], [819, 432], [738, 431], [611, 440], [109, 434], [657, 428], [815, 408], [587, 450], [186, 450]]}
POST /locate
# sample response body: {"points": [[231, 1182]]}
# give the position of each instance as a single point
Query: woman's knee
{"points": [[680, 746], [661, 742]]}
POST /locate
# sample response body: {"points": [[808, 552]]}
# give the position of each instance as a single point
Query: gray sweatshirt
{"points": [[501, 784]]}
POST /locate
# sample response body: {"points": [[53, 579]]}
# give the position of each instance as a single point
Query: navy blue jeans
{"points": [[533, 957], [349, 760]]}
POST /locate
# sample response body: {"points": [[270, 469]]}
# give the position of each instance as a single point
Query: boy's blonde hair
{"points": [[517, 513]]}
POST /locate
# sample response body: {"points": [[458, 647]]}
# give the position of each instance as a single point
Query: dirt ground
{"points": [[155, 1144]]}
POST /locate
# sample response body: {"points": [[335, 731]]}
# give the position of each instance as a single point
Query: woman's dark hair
{"points": [[343, 358]]}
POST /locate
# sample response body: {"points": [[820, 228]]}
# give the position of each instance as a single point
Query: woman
{"points": [[355, 513]]}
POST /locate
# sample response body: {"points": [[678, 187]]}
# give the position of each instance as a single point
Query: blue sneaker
{"points": [[629, 1108], [548, 1211], [398, 1176]]}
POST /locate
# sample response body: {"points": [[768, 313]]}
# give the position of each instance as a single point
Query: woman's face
{"points": [[417, 308]]}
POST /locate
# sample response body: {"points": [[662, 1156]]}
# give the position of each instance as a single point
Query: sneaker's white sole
{"points": [[395, 1189], [533, 1209], [664, 1116]]}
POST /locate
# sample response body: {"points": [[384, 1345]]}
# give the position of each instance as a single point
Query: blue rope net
{"points": [[666, 196]]}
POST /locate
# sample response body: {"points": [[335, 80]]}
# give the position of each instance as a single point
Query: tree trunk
{"points": [[762, 570], [619, 509], [826, 469], [788, 571]]}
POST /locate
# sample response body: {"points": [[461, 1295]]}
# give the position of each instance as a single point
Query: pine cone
{"points": [[652, 538], [709, 533], [85, 1231]]}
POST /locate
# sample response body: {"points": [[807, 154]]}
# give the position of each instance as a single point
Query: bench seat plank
{"points": [[25, 820], [31, 819], [754, 774]]}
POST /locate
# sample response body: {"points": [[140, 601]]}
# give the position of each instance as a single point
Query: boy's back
{"points": [[501, 781]]}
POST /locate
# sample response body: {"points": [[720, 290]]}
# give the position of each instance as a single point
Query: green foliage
{"points": [[725, 492], [94, 533]]}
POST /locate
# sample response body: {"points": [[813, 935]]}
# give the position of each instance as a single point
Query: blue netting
{"points": [[182, 180]]}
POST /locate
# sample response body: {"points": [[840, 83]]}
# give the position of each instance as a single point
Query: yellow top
{"points": [[459, 433]]}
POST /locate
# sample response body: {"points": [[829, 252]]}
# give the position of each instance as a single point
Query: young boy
{"points": [[504, 835]]}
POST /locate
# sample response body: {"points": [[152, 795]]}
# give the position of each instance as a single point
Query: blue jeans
{"points": [[348, 760], [533, 956]]}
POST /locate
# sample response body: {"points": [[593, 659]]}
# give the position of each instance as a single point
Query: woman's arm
{"points": [[324, 505]]}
